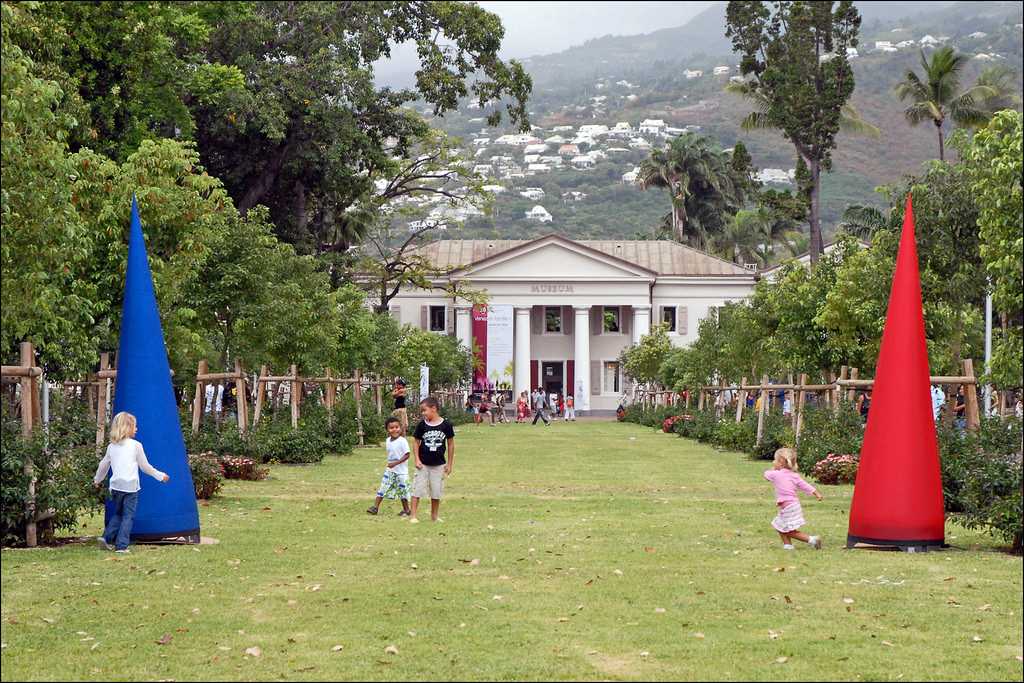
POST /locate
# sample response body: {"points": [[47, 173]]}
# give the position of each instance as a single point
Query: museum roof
{"points": [[663, 257]]}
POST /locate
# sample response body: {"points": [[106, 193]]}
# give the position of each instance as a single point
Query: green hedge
{"points": [[273, 440], [64, 464], [981, 478], [825, 431]]}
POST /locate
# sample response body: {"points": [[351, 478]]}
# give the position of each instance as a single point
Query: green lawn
{"points": [[594, 550]]}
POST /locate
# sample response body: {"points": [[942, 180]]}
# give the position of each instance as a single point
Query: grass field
{"points": [[595, 550]]}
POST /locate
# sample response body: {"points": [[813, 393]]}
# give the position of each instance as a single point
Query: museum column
{"points": [[641, 322], [581, 356], [464, 326], [521, 354]]}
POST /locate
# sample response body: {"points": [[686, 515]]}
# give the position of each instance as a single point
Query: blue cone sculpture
{"points": [[166, 512]]}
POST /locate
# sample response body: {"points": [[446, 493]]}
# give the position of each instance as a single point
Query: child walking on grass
{"points": [[433, 438], [125, 457], [395, 482], [790, 516]]}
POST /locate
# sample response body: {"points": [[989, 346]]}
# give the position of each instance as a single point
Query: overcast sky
{"points": [[539, 28]]}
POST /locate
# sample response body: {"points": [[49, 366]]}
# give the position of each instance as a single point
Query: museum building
{"points": [[560, 311]]}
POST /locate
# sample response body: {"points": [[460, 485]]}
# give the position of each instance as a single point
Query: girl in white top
{"points": [[124, 458]]}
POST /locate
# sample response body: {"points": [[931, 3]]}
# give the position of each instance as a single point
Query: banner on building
{"points": [[493, 339], [424, 381]]}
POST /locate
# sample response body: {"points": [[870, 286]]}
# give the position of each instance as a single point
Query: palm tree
{"points": [[999, 79], [935, 97], [701, 186], [862, 221], [747, 238]]}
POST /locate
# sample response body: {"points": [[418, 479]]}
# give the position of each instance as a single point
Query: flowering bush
{"points": [[668, 425], [836, 469], [207, 474], [239, 467]]}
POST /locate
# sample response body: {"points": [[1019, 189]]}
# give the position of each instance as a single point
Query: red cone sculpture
{"points": [[897, 500]]}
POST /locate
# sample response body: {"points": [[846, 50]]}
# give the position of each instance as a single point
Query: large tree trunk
{"points": [[942, 143], [301, 218], [817, 245], [266, 179]]}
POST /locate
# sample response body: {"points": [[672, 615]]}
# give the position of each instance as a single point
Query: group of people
{"points": [[545, 406]]}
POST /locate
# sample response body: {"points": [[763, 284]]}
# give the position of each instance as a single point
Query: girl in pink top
{"points": [[790, 516]]}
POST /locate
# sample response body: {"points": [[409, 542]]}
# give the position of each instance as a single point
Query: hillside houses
{"points": [[776, 175], [652, 126], [535, 148], [534, 193], [569, 150], [721, 70], [539, 213], [690, 74]]}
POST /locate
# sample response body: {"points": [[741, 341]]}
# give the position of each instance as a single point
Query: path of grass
{"points": [[594, 550]]}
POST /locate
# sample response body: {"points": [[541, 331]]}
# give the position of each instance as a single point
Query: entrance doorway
{"points": [[553, 376]]}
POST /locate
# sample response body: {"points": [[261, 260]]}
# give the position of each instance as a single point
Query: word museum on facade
{"points": [[561, 311]]}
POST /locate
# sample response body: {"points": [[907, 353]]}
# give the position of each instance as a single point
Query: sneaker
{"points": [[404, 513], [123, 551], [372, 510], [414, 520], [102, 543], [788, 546], [815, 542]]}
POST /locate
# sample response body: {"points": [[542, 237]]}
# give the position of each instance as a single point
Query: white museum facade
{"points": [[559, 312]]}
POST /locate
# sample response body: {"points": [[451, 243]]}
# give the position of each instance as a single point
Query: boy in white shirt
{"points": [[125, 457], [395, 482]]}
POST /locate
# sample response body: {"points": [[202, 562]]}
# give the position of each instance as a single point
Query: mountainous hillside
{"points": [[669, 75]]}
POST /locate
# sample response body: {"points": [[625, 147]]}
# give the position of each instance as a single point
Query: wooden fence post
{"points": [[700, 400], [357, 390], [800, 406], [101, 403], [687, 399], [971, 398], [200, 399], [261, 390], [28, 358], [741, 402], [377, 393], [329, 396], [241, 401], [851, 395], [296, 395], [835, 393], [764, 408]]}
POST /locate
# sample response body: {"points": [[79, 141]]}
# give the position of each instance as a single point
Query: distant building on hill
{"points": [[539, 213], [652, 126]]}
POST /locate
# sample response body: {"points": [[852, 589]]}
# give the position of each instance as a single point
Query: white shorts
{"points": [[429, 482]]}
